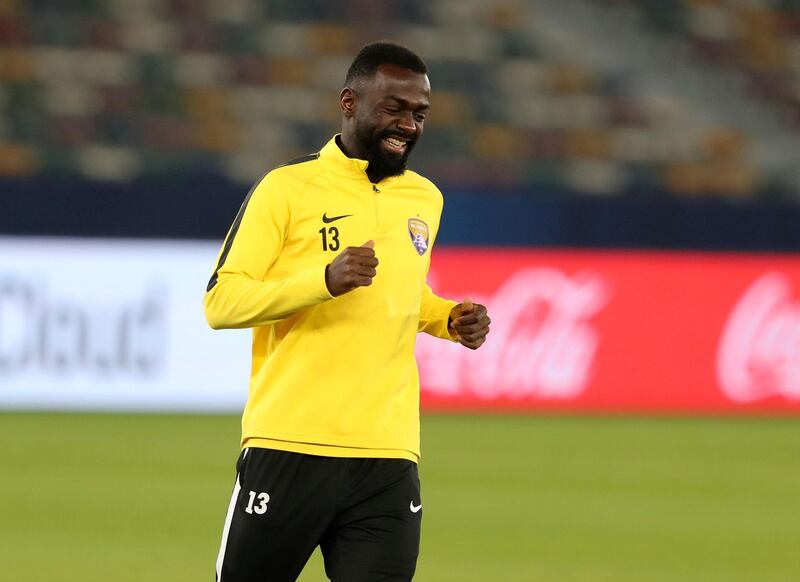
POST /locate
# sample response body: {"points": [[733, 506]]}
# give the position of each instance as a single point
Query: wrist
{"points": [[453, 314], [450, 329], [328, 280]]}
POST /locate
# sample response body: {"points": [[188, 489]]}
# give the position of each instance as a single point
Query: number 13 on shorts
{"points": [[261, 507]]}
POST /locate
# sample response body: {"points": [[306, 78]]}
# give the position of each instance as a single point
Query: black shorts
{"points": [[364, 514]]}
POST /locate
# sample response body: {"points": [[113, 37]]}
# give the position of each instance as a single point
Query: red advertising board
{"points": [[619, 331]]}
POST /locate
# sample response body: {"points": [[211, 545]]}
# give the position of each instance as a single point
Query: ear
{"points": [[347, 101]]}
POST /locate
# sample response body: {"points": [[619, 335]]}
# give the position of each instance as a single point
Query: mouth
{"points": [[395, 144]]}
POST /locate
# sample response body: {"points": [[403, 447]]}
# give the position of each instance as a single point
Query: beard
{"points": [[381, 162]]}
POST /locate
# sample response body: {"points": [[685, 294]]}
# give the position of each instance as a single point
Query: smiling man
{"points": [[330, 431]]}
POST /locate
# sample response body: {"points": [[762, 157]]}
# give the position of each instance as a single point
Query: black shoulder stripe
{"points": [[229, 241], [238, 220], [300, 160]]}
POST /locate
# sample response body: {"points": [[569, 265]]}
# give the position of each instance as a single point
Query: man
{"points": [[330, 432]]}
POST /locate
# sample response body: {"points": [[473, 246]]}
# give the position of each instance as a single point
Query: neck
{"points": [[373, 176], [350, 146]]}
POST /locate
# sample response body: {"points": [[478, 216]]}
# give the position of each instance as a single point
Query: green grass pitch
{"points": [[506, 499]]}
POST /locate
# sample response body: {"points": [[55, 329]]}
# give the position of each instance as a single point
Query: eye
{"points": [[392, 110], [419, 117]]}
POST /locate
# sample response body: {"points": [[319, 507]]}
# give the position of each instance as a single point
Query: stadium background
{"points": [[621, 177]]}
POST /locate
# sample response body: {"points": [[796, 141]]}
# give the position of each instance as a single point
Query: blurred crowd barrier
{"points": [[90, 324], [118, 90]]}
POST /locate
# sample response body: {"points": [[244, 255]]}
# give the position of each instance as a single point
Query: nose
{"points": [[406, 123]]}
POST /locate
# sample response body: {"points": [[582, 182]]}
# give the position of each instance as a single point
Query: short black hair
{"points": [[380, 53]]}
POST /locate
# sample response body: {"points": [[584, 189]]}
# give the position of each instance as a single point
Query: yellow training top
{"points": [[331, 376]]}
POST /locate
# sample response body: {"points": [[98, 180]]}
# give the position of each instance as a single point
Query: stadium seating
{"points": [[113, 90], [761, 38]]}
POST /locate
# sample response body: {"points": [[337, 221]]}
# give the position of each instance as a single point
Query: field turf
{"points": [[123, 498]]}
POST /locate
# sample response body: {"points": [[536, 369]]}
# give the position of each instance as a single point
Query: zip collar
{"points": [[333, 155]]}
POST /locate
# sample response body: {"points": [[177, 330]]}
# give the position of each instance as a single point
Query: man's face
{"points": [[389, 117]]}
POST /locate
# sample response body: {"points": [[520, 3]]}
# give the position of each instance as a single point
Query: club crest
{"points": [[419, 234]]}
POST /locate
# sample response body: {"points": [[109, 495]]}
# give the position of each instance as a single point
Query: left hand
{"points": [[469, 324]]}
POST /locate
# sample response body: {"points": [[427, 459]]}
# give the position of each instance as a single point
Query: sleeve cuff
{"points": [[439, 327], [324, 292]]}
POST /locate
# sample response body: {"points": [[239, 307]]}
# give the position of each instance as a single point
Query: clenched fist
{"points": [[469, 324], [353, 267]]}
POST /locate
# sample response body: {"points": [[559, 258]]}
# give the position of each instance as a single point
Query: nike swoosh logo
{"points": [[415, 508], [327, 219]]}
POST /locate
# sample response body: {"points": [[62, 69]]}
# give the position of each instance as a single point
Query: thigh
{"points": [[277, 514], [375, 537]]}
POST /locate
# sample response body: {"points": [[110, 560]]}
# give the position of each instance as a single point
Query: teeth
{"points": [[395, 142]]}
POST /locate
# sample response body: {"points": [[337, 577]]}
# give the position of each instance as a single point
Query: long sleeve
{"points": [[237, 294], [434, 312]]}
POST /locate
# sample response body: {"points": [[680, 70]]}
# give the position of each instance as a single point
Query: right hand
{"points": [[353, 267]]}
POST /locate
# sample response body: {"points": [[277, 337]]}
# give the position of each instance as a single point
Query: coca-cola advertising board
{"points": [[619, 331]]}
